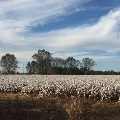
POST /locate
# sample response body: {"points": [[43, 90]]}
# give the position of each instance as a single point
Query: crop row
{"points": [[91, 87]]}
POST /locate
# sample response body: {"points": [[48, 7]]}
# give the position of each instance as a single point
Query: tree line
{"points": [[44, 63]]}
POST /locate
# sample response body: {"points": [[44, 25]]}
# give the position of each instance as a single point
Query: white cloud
{"points": [[17, 16], [23, 13], [98, 36]]}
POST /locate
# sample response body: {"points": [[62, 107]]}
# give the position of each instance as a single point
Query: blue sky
{"points": [[77, 28]]}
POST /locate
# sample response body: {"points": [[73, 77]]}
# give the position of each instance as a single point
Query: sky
{"points": [[65, 28]]}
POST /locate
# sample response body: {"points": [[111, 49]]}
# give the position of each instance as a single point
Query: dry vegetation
{"points": [[15, 107]]}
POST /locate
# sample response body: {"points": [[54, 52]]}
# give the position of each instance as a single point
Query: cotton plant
{"points": [[48, 85]]}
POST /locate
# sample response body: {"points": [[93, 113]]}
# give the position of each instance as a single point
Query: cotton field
{"points": [[61, 86]]}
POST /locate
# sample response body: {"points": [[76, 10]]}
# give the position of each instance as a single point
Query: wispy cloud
{"points": [[17, 17], [85, 37], [98, 36], [23, 13]]}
